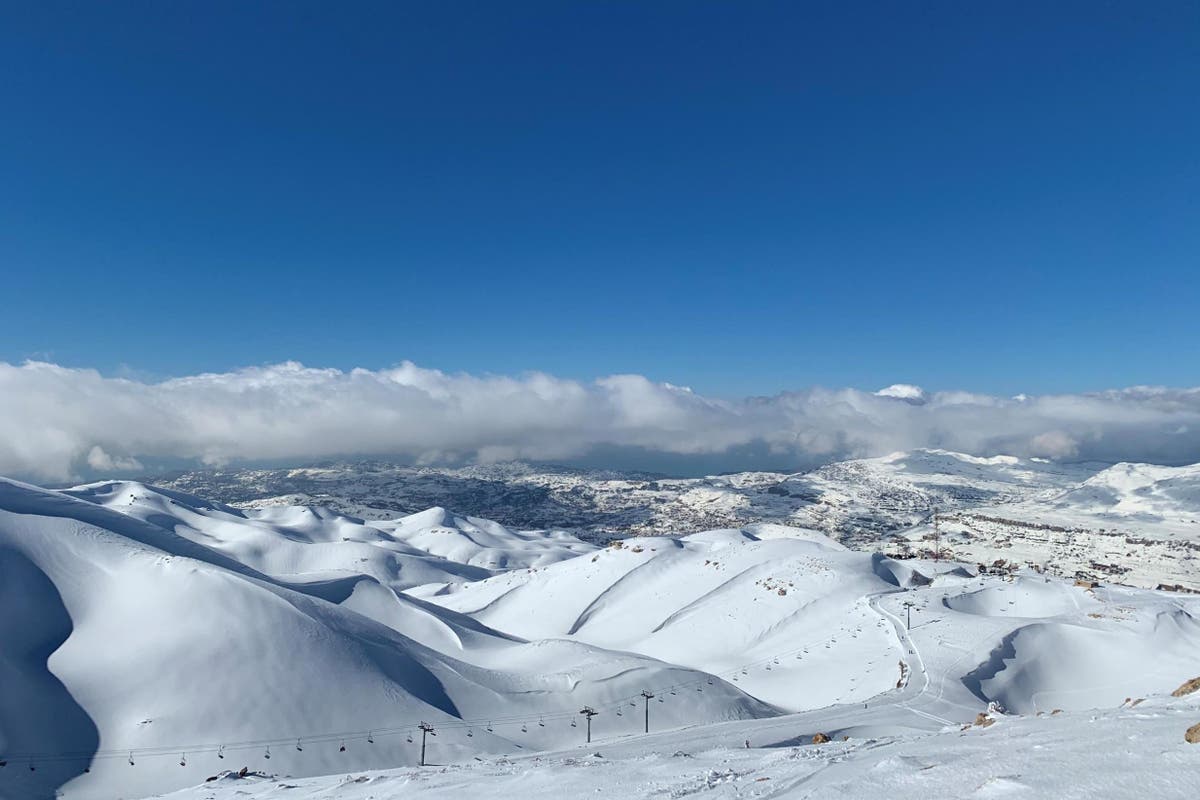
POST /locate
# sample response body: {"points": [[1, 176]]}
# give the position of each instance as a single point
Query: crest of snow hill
{"points": [[150, 638]]}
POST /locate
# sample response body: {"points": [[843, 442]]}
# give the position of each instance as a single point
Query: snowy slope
{"points": [[872, 495], [138, 638], [1167, 498], [160, 628], [1136, 523], [1115, 753], [789, 600], [306, 541], [803, 623]]}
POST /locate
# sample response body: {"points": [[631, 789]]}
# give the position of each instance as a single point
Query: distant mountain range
{"points": [[1136, 523], [151, 639]]}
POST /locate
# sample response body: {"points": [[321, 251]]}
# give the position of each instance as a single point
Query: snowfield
{"points": [[153, 639], [1136, 523], [1112, 754]]}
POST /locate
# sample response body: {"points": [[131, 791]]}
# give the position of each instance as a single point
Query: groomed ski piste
{"points": [[151, 640]]}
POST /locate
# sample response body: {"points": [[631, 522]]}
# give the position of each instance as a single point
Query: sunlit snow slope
{"points": [[123, 635], [189, 637], [1131, 753]]}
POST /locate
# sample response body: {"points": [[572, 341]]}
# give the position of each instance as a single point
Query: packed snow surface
{"points": [[152, 639], [1123, 753]]}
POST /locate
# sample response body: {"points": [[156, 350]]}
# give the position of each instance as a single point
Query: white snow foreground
{"points": [[1125, 753], [150, 639]]}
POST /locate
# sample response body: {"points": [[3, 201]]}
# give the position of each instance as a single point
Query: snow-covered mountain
{"points": [[147, 620], [1137, 523], [151, 639], [1134, 523], [851, 499], [286, 541]]}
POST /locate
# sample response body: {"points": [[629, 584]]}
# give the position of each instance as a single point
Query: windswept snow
{"points": [[142, 638], [147, 625], [287, 541], [714, 601]]}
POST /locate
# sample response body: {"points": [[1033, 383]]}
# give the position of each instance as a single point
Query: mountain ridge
{"points": [[987, 506]]}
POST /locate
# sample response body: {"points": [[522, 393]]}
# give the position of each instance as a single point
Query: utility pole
{"points": [[589, 712], [647, 696], [426, 729], [908, 607]]}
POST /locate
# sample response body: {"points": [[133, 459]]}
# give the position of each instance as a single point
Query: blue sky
{"points": [[738, 197]]}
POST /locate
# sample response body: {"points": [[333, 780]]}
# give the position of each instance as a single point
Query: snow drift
{"points": [[146, 643], [154, 627]]}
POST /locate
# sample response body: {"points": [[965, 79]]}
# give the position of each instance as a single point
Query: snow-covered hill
{"points": [[851, 499], [149, 626], [433, 545], [127, 633], [784, 599], [1136, 523]]}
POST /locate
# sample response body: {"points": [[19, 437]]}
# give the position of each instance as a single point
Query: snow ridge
{"points": [[187, 636]]}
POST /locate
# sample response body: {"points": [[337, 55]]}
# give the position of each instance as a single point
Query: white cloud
{"points": [[57, 422], [1053, 444], [99, 460], [903, 391]]}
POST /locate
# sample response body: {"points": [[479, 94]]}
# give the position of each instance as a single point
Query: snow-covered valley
{"points": [[1136, 523], [153, 639]]}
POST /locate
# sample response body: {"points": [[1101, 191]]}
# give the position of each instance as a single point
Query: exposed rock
{"points": [[1187, 688], [1176, 587], [820, 738], [1192, 736]]}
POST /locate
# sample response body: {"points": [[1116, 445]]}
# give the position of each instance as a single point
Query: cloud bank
{"points": [[57, 423]]}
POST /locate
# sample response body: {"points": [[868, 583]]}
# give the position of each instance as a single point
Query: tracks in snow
{"points": [[906, 642]]}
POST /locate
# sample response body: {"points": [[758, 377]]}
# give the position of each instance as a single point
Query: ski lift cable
{"points": [[342, 737]]}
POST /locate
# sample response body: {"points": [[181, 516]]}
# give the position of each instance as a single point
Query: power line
{"points": [[370, 736]]}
